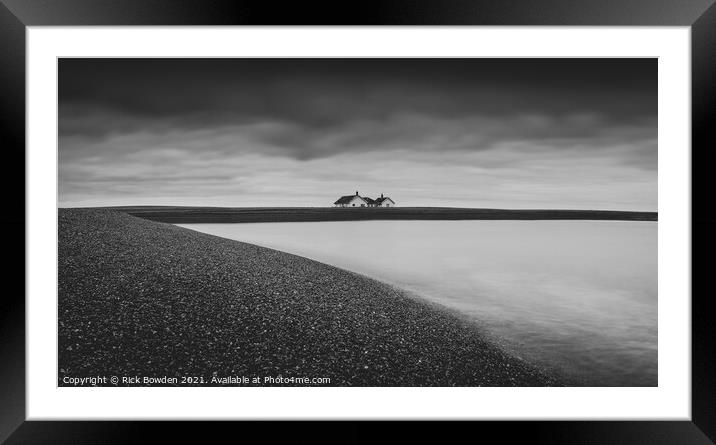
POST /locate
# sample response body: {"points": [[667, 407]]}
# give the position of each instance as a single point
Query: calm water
{"points": [[576, 296]]}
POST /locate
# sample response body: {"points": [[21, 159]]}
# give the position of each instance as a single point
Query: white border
{"points": [[670, 400]]}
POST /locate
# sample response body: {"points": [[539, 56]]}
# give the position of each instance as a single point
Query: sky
{"points": [[499, 133]]}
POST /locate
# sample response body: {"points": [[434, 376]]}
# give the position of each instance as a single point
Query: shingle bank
{"points": [[148, 299]]}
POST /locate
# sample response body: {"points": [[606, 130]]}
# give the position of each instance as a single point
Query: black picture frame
{"points": [[16, 15]]}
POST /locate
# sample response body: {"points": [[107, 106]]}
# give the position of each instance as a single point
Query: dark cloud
{"points": [[326, 92]]}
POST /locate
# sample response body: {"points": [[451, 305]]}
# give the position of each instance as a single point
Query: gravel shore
{"points": [[149, 299]]}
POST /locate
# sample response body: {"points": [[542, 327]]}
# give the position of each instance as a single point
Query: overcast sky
{"points": [[502, 133]]}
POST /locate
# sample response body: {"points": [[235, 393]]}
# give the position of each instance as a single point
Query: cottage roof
{"points": [[346, 199]]}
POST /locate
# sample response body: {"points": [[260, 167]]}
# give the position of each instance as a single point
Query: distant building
{"points": [[363, 201], [384, 202], [351, 201]]}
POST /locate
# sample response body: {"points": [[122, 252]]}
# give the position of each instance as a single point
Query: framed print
{"points": [[490, 221]]}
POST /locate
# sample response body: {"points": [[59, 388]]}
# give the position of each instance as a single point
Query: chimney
{"points": [[356, 192], [381, 195]]}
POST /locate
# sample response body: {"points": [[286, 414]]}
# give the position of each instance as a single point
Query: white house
{"points": [[363, 201], [384, 202], [351, 201]]}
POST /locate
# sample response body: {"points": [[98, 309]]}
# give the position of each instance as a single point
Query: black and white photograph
{"points": [[370, 222]]}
